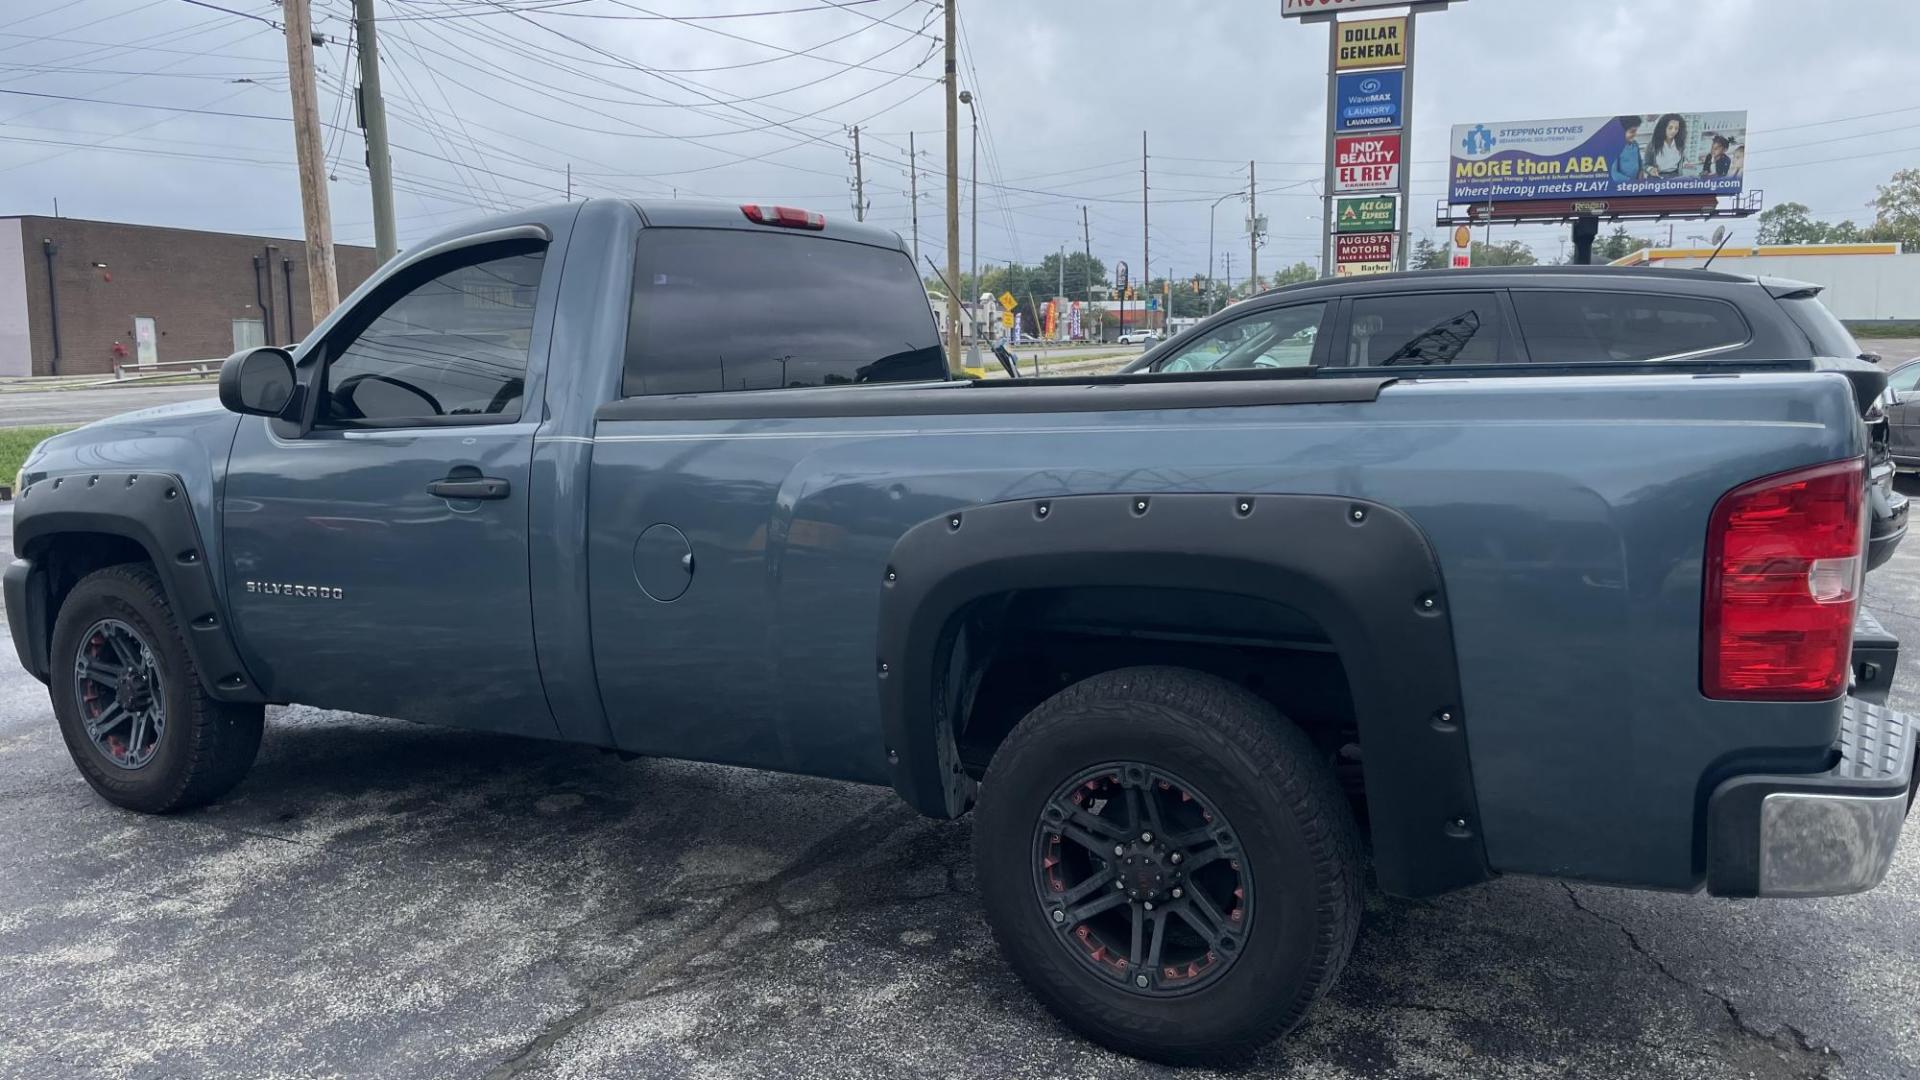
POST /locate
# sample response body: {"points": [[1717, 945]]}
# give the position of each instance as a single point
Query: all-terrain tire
{"points": [[1263, 775], [205, 746]]}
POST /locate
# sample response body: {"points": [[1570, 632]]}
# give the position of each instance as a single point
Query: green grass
{"points": [[15, 443], [1886, 330]]}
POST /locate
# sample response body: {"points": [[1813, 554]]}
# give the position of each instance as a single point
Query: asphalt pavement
{"points": [[385, 899]]}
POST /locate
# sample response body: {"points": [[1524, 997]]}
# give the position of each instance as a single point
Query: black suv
{"points": [[1548, 320]]}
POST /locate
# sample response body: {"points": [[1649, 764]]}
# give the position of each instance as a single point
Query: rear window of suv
{"points": [[732, 309], [1828, 334], [1569, 326]]}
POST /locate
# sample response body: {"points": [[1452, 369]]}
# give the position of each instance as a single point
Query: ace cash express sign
{"points": [[1366, 162]]}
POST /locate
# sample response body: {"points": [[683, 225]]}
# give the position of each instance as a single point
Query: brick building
{"points": [[78, 297]]}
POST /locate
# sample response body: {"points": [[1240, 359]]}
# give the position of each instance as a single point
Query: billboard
{"points": [[1293, 9], [1366, 162], [1380, 213], [1371, 43], [1623, 156], [1360, 254], [1370, 100]]}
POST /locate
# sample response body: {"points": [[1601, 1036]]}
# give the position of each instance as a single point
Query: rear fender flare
{"points": [[1364, 571]]}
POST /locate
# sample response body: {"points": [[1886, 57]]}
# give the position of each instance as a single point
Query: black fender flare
{"points": [[152, 510], [1364, 571]]}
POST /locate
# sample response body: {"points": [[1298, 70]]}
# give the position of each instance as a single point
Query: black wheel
{"points": [[131, 708], [1169, 864]]}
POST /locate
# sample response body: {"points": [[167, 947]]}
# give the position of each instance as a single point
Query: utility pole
{"points": [[859, 180], [1060, 297], [570, 185], [1253, 229], [1086, 237], [1146, 239], [953, 190], [913, 184], [323, 287], [373, 121], [1227, 255]]}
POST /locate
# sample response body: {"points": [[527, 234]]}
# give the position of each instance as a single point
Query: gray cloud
{"points": [[488, 107]]}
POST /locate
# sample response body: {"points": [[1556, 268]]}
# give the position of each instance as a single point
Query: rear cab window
{"points": [[1830, 336], [1579, 326], [728, 309]]}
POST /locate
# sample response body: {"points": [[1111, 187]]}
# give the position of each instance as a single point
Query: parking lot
{"points": [[383, 899]]}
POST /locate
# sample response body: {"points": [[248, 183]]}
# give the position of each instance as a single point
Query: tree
{"points": [[1793, 223], [1511, 253], [1897, 210], [1294, 275], [1618, 245], [1427, 255]]}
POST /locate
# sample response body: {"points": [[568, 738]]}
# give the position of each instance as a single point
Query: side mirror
{"points": [[1898, 397], [257, 382]]}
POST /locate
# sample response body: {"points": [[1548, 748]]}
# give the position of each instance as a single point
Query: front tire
{"points": [[136, 719], [1217, 933]]}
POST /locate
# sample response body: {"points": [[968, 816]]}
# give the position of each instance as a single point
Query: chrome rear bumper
{"points": [[1820, 834]]}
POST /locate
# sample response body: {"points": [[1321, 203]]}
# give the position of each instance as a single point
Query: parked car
{"points": [[1139, 337], [1563, 320], [1903, 414], [692, 481]]}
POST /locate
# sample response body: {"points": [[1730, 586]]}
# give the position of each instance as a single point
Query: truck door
{"points": [[378, 561]]}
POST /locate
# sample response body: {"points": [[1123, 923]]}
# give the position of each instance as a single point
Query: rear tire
{"points": [[203, 747], [1208, 746]]}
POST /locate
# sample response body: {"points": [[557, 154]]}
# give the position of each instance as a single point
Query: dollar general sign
{"points": [[1372, 43]]}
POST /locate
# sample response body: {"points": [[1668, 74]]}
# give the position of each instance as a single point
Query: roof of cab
{"points": [[698, 214]]}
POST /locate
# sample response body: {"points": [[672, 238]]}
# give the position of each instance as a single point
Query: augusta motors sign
{"points": [[1293, 9], [1366, 163]]}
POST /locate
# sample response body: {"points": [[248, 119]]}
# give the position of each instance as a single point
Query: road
{"points": [[34, 408], [384, 899]]}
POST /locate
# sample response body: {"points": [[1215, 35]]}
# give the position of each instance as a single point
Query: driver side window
{"points": [[455, 346], [1270, 339], [1904, 379]]}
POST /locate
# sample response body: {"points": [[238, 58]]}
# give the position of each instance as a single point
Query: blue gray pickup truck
{"points": [[1198, 648]]}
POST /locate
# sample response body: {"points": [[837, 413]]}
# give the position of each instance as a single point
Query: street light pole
{"points": [[1212, 212], [973, 243]]}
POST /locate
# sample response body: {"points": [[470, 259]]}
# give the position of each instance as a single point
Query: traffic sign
{"points": [[1007, 302]]}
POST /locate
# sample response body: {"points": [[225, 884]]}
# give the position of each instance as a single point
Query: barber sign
{"points": [[1366, 162]]}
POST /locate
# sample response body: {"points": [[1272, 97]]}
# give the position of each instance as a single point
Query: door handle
{"points": [[469, 487]]}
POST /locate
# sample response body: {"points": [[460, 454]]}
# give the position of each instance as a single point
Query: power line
{"points": [[230, 11], [550, 9]]}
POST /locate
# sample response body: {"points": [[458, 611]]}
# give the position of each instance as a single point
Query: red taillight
{"points": [[1782, 579], [786, 217]]}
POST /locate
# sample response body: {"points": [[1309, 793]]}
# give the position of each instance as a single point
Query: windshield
{"points": [[1829, 335]]}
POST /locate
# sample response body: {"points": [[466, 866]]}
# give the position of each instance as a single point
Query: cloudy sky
{"points": [[182, 106]]}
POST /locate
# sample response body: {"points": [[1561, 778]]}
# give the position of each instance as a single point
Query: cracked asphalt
{"points": [[385, 899]]}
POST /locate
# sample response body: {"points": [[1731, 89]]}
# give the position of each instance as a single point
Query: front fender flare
{"points": [[151, 509], [1364, 571]]}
